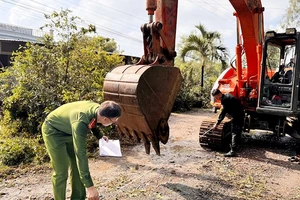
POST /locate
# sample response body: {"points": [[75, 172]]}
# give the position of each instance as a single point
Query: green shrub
{"points": [[191, 93], [9, 127], [45, 76], [17, 150]]}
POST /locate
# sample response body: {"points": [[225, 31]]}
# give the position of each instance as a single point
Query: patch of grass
{"points": [[136, 192], [248, 183], [10, 172], [117, 183], [5, 171], [251, 187]]}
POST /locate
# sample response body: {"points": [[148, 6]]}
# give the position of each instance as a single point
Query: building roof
{"points": [[16, 40], [17, 33]]}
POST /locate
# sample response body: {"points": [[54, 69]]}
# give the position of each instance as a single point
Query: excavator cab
{"points": [[279, 94], [147, 91]]}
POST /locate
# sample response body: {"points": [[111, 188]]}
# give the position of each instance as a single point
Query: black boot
{"points": [[231, 153]]}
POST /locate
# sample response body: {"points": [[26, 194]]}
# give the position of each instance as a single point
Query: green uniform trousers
{"points": [[61, 151]]}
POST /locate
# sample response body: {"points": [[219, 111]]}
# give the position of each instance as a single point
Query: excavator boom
{"points": [[250, 34]]}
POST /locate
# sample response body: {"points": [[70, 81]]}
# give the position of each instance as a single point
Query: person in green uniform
{"points": [[64, 132]]}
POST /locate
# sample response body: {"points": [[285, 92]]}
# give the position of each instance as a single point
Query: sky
{"points": [[122, 19]]}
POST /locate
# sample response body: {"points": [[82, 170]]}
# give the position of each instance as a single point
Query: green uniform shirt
{"points": [[73, 119]]}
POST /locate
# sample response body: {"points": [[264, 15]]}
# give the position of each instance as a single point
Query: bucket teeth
{"points": [[147, 146], [150, 139]]}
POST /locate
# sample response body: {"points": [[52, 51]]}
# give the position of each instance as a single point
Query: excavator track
{"points": [[216, 139]]}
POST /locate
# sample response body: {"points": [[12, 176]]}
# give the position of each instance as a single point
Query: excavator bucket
{"points": [[146, 95]]}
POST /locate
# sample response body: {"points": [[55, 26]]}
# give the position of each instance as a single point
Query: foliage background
{"points": [[202, 58], [43, 77]]}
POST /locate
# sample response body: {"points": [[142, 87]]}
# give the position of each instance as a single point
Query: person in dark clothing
{"points": [[233, 107], [276, 77]]}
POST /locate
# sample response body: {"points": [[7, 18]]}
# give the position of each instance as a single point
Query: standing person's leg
{"points": [[234, 140], [55, 142], [77, 187], [236, 134]]}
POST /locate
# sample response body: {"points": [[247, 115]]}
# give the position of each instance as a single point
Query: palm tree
{"points": [[204, 47]]}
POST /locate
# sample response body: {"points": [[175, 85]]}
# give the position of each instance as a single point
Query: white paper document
{"points": [[110, 148]]}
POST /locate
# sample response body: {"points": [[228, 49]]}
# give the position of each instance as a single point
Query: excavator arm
{"points": [[159, 36], [147, 91], [250, 34]]}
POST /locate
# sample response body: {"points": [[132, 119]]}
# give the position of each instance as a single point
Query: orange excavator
{"points": [[147, 91], [271, 98]]}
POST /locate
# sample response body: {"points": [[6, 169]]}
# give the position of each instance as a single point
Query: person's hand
{"points": [[105, 138], [92, 193]]}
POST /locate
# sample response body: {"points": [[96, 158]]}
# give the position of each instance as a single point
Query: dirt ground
{"points": [[183, 171]]}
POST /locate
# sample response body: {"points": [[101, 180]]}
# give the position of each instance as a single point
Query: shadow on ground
{"points": [[255, 148]]}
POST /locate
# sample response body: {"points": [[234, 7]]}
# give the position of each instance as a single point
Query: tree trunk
{"points": [[202, 76]]}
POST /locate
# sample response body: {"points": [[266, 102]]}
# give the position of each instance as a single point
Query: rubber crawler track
{"points": [[214, 139]]}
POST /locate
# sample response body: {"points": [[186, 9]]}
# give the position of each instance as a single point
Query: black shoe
{"points": [[230, 154], [294, 159]]}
